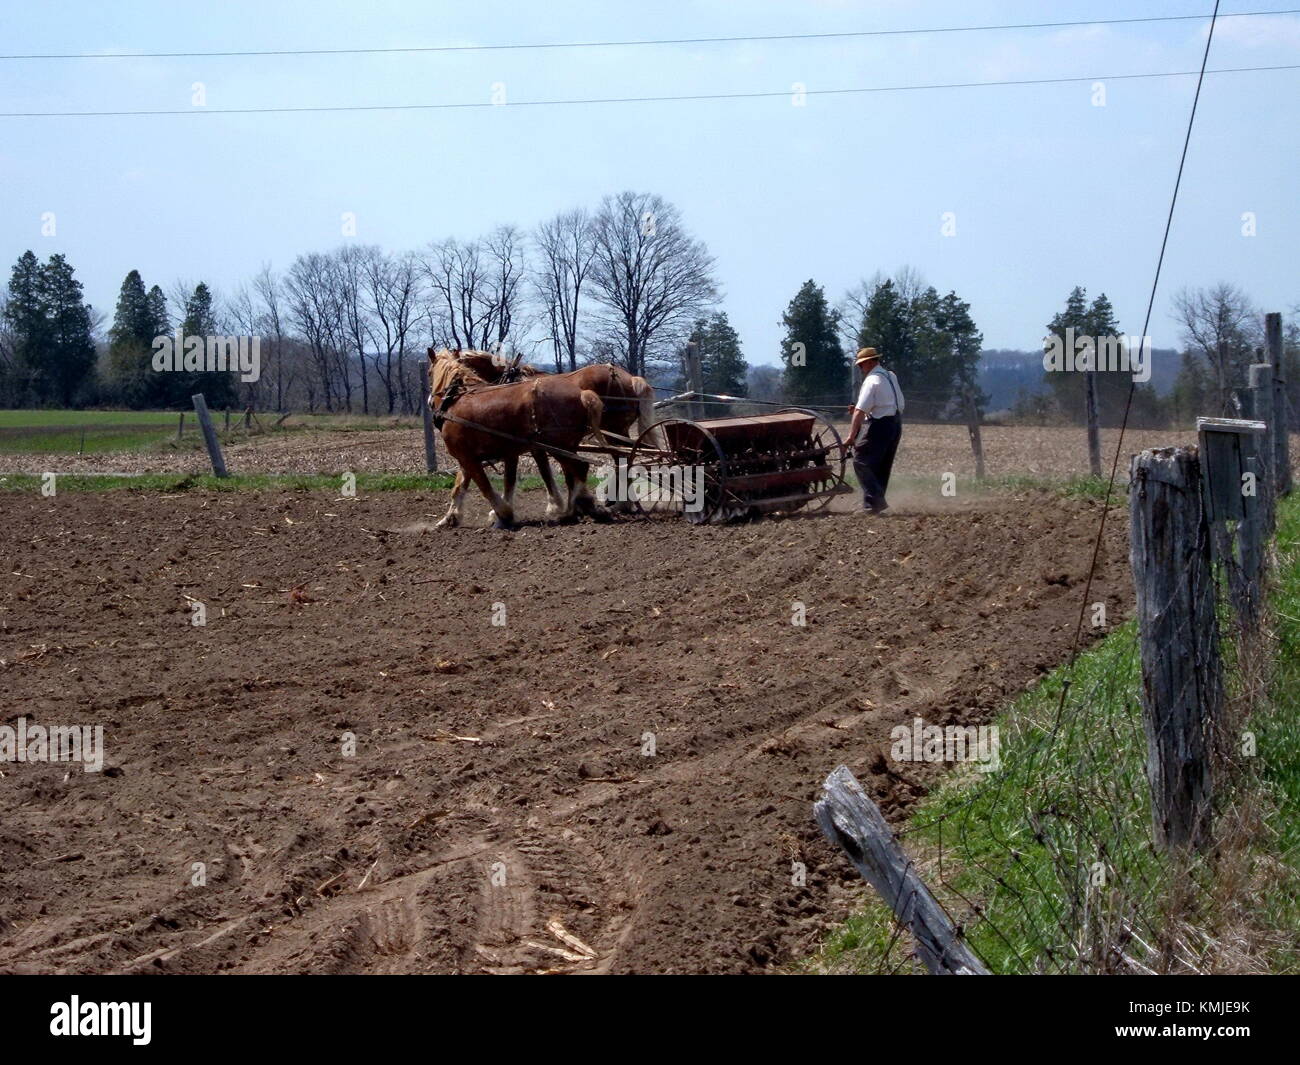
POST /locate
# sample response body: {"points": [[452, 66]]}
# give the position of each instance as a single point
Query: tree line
{"points": [[344, 330]]}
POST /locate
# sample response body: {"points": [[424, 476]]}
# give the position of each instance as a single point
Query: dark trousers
{"points": [[873, 459]]}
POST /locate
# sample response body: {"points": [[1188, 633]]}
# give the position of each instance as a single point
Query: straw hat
{"points": [[866, 355]]}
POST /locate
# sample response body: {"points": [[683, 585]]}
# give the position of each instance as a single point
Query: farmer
{"points": [[880, 405]]}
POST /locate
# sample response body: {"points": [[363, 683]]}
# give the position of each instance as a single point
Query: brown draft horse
{"points": [[628, 399], [497, 423]]}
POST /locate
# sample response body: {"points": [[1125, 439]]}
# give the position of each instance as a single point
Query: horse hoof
{"points": [[504, 526], [447, 523], [600, 515]]}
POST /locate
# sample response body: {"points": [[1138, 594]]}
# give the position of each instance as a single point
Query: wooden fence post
{"points": [[1094, 423], [973, 431], [430, 445], [180, 427], [1182, 679], [696, 373], [849, 819], [209, 435], [1229, 456], [1281, 421], [1259, 406]]}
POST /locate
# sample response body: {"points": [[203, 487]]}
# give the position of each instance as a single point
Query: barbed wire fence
{"points": [[1116, 834]]}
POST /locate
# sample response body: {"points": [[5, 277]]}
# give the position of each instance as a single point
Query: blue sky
{"points": [[1048, 190]]}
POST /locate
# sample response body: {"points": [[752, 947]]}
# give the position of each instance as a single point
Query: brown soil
{"points": [[499, 814]]}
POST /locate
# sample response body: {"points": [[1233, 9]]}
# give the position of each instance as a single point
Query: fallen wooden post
{"points": [[209, 435], [1178, 634], [849, 819]]}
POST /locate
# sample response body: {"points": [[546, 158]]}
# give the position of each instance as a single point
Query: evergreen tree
{"points": [[964, 342], [53, 350], [932, 344], [816, 368], [130, 347], [1096, 320], [25, 317], [70, 356], [722, 364], [218, 388], [162, 322]]}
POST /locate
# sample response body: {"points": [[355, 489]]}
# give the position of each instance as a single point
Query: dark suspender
{"points": [[898, 407]]}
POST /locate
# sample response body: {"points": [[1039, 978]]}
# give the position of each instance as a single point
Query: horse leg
{"points": [[452, 518], [581, 501], [503, 514], [555, 506], [510, 474]]}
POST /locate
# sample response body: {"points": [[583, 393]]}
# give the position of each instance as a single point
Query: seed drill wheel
{"points": [[664, 453], [825, 437]]}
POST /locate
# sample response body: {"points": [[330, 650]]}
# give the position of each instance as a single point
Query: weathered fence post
{"points": [[1281, 421], [1259, 407], [1182, 680], [973, 431], [209, 435], [1094, 423], [180, 427], [1229, 456], [430, 445], [849, 819], [695, 371]]}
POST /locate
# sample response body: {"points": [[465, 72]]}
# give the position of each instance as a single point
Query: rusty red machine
{"points": [[737, 468]]}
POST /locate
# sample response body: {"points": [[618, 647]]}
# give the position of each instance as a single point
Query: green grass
{"points": [[1059, 839], [23, 419], [91, 432], [70, 432]]}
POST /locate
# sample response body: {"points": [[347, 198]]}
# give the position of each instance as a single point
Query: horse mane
{"points": [[447, 369]]}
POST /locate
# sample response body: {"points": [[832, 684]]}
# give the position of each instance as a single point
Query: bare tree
{"points": [[271, 326], [314, 312], [649, 274], [393, 291], [476, 289], [348, 275], [567, 249], [1222, 327]]}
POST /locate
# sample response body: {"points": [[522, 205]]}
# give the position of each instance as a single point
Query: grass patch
{"points": [[240, 482], [1048, 863], [93, 432]]}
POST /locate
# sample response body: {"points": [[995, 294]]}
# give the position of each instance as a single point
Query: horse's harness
{"points": [[457, 389]]}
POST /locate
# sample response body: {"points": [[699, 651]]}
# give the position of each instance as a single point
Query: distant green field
{"points": [[88, 431], [69, 432]]}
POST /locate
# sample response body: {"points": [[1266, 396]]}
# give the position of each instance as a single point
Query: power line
{"points": [[757, 38], [781, 94], [1132, 388]]}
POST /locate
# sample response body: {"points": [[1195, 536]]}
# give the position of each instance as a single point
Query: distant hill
{"points": [[1006, 372]]}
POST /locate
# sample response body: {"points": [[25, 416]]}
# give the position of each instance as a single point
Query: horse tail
{"points": [[595, 410], [645, 406]]}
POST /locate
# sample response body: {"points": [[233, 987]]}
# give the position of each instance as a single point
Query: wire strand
{"points": [[783, 93], [652, 42]]}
